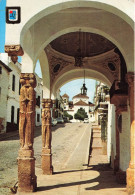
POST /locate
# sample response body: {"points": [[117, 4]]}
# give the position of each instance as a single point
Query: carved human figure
{"points": [[46, 125], [27, 110]]}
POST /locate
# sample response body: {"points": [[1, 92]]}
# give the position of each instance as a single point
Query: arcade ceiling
{"points": [[95, 51]]}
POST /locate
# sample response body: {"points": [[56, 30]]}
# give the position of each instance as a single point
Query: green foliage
{"points": [[81, 114], [68, 115]]}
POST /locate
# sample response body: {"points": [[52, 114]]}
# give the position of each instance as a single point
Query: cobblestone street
{"points": [[65, 138]]}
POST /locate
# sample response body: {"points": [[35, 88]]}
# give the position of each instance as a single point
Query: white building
{"points": [[5, 71], [80, 100], [10, 92], [39, 96]]}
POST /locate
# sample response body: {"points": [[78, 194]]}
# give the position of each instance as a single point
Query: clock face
{"points": [[13, 15]]}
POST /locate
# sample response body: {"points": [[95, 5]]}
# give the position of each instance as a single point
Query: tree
{"points": [[68, 115], [81, 114]]}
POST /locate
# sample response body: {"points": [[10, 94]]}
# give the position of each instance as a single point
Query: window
{"points": [[12, 114], [0, 70], [13, 82], [38, 117], [38, 101], [19, 87]]}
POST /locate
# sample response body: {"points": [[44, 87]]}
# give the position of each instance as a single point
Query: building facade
{"points": [[5, 72], [80, 100], [10, 95]]}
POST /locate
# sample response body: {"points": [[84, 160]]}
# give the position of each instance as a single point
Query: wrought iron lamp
{"points": [[84, 88]]}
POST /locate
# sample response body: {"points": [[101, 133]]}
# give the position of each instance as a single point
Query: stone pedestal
{"points": [[27, 180], [47, 167]]}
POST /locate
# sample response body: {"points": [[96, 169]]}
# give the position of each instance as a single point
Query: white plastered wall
{"points": [[4, 83], [113, 137], [111, 129], [125, 141], [45, 74]]}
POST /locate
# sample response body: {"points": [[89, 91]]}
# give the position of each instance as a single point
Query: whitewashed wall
{"points": [[38, 111], [113, 137], [38, 90], [125, 141], [4, 81], [111, 127], [15, 103], [13, 96]]}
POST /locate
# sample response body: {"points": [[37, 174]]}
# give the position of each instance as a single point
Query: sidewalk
{"points": [[75, 178]]}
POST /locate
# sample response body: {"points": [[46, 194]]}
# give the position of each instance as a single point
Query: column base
{"points": [[27, 180], [47, 167], [130, 181]]}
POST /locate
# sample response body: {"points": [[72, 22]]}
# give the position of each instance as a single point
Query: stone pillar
{"points": [[130, 77], [26, 161], [46, 137]]}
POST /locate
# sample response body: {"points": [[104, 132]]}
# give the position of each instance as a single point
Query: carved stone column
{"points": [[26, 161], [130, 77], [46, 137]]}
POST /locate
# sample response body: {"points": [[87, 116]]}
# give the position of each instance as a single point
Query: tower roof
{"points": [[81, 96], [65, 95]]}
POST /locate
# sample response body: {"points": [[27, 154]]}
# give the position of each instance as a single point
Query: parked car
{"points": [[60, 120], [86, 120], [54, 122]]}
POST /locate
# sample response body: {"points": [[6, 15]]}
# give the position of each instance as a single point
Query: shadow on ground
{"points": [[15, 134], [105, 180]]}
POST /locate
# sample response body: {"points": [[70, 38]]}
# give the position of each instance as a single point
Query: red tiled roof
{"points": [[65, 95], [81, 103], [80, 96]]}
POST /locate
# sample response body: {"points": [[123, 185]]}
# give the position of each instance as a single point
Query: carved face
{"points": [[28, 79]]}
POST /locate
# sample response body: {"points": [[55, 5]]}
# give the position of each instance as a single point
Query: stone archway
{"points": [[34, 34]]}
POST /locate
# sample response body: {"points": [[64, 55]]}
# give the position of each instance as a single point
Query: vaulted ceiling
{"points": [[90, 44]]}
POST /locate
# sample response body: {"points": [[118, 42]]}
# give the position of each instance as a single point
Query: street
{"points": [[66, 145]]}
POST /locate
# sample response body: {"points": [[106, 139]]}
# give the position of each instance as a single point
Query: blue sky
{"points": [[72, 88]]}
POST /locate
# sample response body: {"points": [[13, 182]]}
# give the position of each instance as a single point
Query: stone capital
{"points": [[47, 103], [130, 78], [28, 79], [14, 50]]}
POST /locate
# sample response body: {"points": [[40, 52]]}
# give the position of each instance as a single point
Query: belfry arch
{"points": [[42, 25]]}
